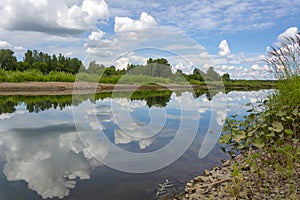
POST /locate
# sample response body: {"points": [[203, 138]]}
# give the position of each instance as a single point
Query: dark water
{"points": [[108, 146]]}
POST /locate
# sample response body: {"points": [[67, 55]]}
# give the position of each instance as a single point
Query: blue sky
{"points": [[231, 35]]}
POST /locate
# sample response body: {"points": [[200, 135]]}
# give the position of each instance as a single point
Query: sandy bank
{"points": [[65, 88]]}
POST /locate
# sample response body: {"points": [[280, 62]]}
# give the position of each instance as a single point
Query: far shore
{"points": [[68, 88]]}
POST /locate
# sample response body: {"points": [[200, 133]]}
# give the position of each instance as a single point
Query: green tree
{"points": [[29, 57], [22, 66], [95, 68], [110, 71], [74, 65], [159, 67], [212, 75], [198, 75], [41, 66], [7, 59], [226, 77], [54, 63]]}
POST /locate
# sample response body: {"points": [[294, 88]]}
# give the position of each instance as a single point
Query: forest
{"points": [[64, 68]]}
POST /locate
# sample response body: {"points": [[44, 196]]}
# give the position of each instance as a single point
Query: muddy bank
{"points": [[67, 88]]}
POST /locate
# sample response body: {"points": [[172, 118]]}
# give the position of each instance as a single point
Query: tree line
{"points": [[37, 60], [159, 67]]}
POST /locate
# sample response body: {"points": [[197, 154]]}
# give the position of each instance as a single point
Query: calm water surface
{"points": [[42, 155]]}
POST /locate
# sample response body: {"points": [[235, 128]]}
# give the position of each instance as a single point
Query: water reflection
{"points": [[39, 143], [41, 103]]}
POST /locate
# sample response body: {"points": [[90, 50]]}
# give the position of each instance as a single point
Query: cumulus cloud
{"points": [[36, 161], [122, 63], [129, 58], [123, 24], [186, 68], [5, 44], [19, 48], [122, 138], [255, 67], [288, 33], [96, 35], [51, 162], [224, 48], [53, 17], [216, 16]]}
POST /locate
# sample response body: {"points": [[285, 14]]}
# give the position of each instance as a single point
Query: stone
{"points": [[206, 172]]}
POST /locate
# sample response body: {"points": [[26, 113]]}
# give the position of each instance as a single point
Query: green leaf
{"points": [[281, 113], [235, 170], [295, 111], [277, 126], [225, 139], [240, 135], [288, 147], [253, 168], [250, 133], [258, 143], [295, 141], [288, 131]]}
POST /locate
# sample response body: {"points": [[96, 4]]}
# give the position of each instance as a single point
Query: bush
{"points": [[272, 128]]}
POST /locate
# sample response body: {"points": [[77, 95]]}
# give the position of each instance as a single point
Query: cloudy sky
{"points": [[232, 35]]}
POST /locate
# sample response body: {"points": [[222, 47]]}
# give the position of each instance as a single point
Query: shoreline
{"points": [[234, 180], [69, 88]]}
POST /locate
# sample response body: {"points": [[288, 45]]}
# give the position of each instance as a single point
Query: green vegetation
{"points": [[35, 75], [269, 136], [158, 98], [39, 66], [251, 84], [35, 60]]}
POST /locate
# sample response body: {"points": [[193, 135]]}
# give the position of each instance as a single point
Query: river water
{"points": [[111, 145]]}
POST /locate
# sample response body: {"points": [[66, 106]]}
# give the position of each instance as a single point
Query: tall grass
{"points": [[275, 129], [35, 75], [285, 64]]}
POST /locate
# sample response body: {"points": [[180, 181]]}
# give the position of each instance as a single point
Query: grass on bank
{"points": [[38, 76], [269, 136]]}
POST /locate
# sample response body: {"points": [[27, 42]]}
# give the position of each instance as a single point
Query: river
{"points": [[111, 145]]}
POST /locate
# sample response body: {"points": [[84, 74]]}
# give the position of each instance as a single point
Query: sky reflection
{"points": [[45, 150]]}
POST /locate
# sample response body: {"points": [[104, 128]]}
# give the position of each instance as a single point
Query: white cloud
{"points": [[288, 33], [96, 35], [53, 17], [205, 15], [186, 68], [123, 24], [6, 116], [36, 163], [49, 163], [5, 44], [224, 48], [122, 63], [255, 67], [83, 17], [129, 58], [19, 48], [68, 53], [122, 138]]}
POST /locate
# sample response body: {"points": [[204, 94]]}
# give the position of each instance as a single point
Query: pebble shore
{"points": [[219, 183]]}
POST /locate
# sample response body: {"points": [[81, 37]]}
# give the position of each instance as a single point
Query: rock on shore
{"points": [[223, 183]]}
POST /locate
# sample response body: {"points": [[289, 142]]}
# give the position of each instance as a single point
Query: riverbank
{"points": [[67, 88], [234, 180]]}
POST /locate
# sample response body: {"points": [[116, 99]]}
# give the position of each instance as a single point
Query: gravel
{"points": [[220, 183]]}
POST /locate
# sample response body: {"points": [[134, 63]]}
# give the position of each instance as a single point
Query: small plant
{"points": [[167, 191], [163, 187], [269, 135]]}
